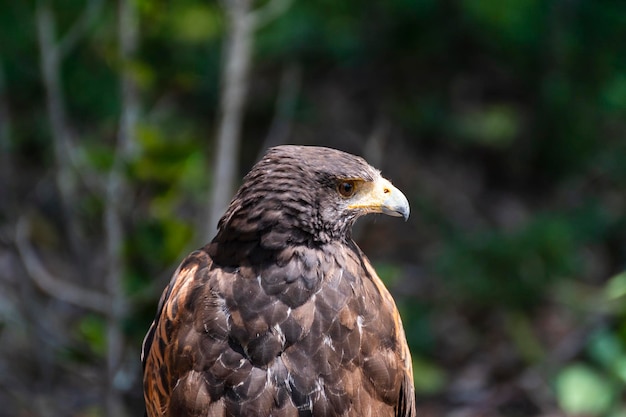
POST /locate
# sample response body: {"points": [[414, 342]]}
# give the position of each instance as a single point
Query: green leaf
{"points": [[522, 334], [616, 287], [197, 23], [388, 272], [495, 126], [428, 377], [605, 348], [581, 390], [511, 21], [92, 329], [614, 94], [608, 350]]}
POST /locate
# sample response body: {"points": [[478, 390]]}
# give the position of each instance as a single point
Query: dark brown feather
{"points": [[281, 314]]}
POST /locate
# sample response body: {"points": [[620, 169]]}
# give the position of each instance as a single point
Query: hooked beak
{"points": [[381, 196]]}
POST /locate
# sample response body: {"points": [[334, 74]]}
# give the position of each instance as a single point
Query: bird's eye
{"points": [[346, 188]]}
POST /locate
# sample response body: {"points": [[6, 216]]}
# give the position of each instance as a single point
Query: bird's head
{"points": [[298, 194]]}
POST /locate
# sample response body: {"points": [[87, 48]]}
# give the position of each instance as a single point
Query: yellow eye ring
{"points": [[346, 188]]}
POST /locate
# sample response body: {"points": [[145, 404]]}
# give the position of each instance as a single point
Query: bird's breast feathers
{"points": [[317, 332]]}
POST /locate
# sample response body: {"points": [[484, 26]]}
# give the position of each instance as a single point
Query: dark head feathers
{"points": [[319, 161], [290, 198]]}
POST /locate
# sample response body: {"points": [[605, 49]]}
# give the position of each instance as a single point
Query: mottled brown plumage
{"points": [[282, 314]]}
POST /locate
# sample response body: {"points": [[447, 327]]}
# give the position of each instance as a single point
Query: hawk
{"points": [[282, 314]]}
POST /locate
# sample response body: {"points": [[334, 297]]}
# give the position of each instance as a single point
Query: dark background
{"points": [[503, 121]]}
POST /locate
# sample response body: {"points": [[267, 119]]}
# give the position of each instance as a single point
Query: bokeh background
{"points": [[123, 124]]}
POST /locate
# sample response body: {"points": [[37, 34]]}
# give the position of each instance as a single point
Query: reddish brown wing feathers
{"points": [[161, 346], [318, 335]]}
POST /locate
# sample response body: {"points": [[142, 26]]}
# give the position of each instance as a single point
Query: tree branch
{"points": [[5, 117], [52, 53], [79, 28], [117, 201], [285, 104], [234, 87], [61, 136], [6, 170], [57, 288], [376, 141], [272, 10], [242, 22]]}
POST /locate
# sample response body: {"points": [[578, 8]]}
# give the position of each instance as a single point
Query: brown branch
{"points": [[47, 282]]}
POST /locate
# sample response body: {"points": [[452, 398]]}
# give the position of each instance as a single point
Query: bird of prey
{"points": [[282, 314]]}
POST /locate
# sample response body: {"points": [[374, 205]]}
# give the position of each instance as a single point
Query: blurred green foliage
{"points": [[533, 93], [513, 267]]}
